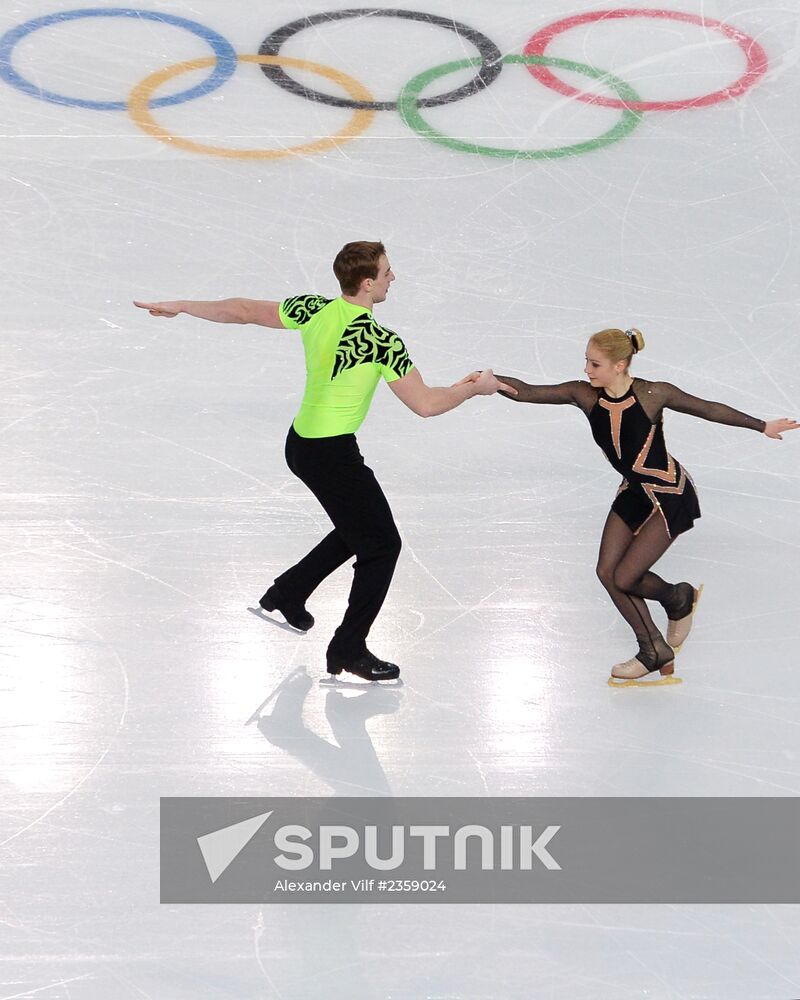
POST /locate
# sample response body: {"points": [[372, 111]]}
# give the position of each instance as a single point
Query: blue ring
{"points": [[223, 50]]}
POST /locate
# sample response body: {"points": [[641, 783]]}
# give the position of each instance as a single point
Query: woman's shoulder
{"points": [[654, 397], [651, 388], [583, 394]]}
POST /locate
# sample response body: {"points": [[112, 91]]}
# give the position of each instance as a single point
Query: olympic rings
{"points": [[490, 61], [139, 109], [409, 109], [488, 64], [224, 61], [757, 61]]}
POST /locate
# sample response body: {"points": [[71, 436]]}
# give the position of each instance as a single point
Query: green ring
{"points": [[409, 110]]}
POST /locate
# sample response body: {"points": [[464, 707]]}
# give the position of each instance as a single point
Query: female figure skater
{"points": [[656, 501]]}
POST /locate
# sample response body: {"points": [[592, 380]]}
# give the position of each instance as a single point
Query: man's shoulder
{"points": [[365, 325], [365, 341], [301, 308]]}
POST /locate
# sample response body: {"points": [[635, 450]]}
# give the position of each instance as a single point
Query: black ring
{"points": [[489, 71]]}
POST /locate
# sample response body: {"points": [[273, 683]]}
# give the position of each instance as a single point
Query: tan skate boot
{"points": [[678, 631], [633, 673]]}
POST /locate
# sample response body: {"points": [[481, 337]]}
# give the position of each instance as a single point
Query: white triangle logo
{"points": [[221, 848]]}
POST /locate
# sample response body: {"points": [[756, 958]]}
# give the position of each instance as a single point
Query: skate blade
{"points": [[642, 682], [275, 618], [697, 594], [359, 683]]}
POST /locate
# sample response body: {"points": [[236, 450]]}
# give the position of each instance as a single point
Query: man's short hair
{"points": [[356, 261]]}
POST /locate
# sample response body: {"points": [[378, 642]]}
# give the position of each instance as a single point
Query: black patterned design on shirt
{"points": [[365, 342], [300, 308]]}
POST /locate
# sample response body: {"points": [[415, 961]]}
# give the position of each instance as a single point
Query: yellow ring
{"points": [[139, 109]]}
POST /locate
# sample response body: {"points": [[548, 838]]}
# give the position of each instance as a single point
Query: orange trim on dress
{"points": [[667, 474], [652, 488], [615, 412]]}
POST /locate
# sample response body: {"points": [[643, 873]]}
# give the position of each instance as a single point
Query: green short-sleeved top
{"points": [[347, 353]]}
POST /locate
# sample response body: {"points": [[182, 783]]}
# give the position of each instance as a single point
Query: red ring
{"points": [[757, 61]]}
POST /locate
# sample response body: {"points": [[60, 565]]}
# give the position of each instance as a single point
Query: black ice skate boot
{"points": [[365, 665], [294, 613]]}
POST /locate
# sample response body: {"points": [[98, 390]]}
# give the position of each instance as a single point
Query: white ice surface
{"points": [[146, 503]]}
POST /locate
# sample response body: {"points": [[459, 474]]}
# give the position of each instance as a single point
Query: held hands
{"points": [[166, 309], [485, 383], [776, 428]]}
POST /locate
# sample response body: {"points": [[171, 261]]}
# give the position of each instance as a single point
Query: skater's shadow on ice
{"points": [[350, 765]]}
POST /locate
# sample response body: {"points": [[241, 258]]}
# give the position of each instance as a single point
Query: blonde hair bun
{"points": [[618, 345], [636, 338]]}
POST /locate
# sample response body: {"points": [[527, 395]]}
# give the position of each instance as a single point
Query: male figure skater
{"points": [[347, 352]]}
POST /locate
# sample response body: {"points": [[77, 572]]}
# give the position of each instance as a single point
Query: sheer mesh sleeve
{"points": [[578, 393], [673, 398]]}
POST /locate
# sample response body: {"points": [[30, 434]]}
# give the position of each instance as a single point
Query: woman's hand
{"points": [[776, 428], [486, 383]]}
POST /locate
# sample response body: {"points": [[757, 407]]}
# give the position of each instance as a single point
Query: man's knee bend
{"points": [[388, 547]]}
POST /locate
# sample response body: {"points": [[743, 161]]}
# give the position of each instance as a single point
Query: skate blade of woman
{"points": [[643, 682]]}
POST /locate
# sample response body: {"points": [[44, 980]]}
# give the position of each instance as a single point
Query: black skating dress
{"points": [[630, 431], [654, 483]]}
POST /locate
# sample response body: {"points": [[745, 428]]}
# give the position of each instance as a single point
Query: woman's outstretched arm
{"points": [[720, 413], [578, 393]]}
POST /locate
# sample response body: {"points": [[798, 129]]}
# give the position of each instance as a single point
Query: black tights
{"points": [[623, 567]]}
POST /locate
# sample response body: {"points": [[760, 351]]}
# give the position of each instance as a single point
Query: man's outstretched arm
{"points": [[260, 312], [430, 401]]}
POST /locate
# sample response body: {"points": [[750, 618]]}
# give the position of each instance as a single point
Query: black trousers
{"points": [[333, 469]]}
